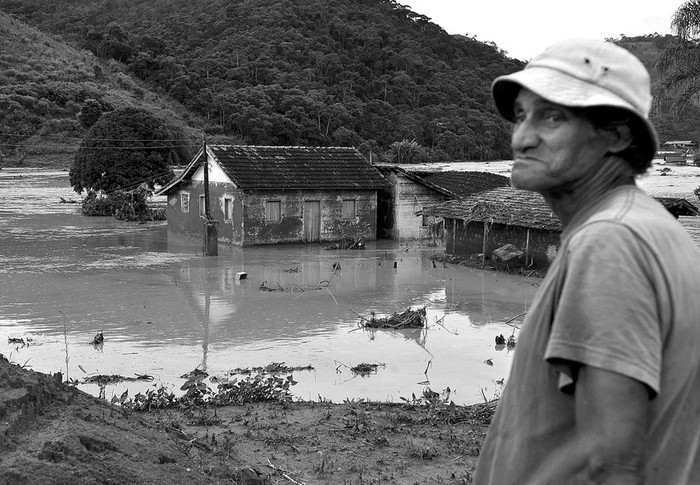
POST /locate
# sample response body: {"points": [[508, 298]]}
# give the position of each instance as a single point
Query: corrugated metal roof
{"points": [[503, 205], [464, 184], [277, 167]]}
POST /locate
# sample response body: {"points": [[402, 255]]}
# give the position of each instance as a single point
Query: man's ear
{"points": [[620, 138]]}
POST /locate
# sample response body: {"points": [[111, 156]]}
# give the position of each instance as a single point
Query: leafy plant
{"points": [[255, 388], [129, 206]]}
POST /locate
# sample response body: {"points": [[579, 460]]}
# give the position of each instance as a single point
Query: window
{"points": [[202, 208], [184, 202], [228, 208], [273, 211], [426, 221], [348, 209]]}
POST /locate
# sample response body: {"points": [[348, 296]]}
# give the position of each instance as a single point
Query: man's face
{"points": [[553, 148]]}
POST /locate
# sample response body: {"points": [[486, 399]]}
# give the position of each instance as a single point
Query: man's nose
{"points": [[524, 136]]}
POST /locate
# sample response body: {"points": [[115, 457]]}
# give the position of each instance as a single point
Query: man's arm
{"points": [[608, 445]]}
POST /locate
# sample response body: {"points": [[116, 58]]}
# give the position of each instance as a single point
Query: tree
{"points": [[679, 63], [406, 151], [125, 148], [90, 112]]}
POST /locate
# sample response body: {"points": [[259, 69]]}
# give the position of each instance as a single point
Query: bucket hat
{"points": [[585, 73]]}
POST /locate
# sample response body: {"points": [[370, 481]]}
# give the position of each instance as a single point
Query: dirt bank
{"points": [[52, 433]]}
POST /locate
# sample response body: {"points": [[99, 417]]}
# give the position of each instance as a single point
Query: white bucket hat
{"points": [[585, 73]]}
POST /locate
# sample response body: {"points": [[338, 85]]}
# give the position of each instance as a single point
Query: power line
{"points": [[110, 147], [78, 138]]}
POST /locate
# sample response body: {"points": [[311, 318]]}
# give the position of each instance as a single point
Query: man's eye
{"points": [[519, 117], [553, 116]]}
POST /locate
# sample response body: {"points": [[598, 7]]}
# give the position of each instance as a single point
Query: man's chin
{"points": [[530, 183]]}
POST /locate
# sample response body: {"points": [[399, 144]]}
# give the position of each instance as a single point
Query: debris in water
{"points": [[98, 339], [407, 319], [488, 362], [263, 287], [366, 369], [511, 342], [194, 374], [500, 340], [19, 341], [271, 368], [102, 379]]}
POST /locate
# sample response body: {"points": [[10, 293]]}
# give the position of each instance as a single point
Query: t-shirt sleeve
{"points": [[607, 313]]}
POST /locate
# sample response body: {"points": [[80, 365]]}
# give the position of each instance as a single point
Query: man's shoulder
{"points": [[630, 209]]}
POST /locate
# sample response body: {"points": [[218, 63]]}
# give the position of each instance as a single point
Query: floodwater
{"points": [[165, 309]]}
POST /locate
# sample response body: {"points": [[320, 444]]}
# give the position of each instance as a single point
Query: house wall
{"points": [[399, 206], [192, 223], [248, 225], [467, 239], [290, 228]]}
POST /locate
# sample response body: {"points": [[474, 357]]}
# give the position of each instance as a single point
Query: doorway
{"points": [[312, 221]]}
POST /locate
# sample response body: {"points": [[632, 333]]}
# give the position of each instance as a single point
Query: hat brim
{"points": [[569, 91]]}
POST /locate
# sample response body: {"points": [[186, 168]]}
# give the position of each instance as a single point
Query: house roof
{"points": [[502, 205], [290, 168], [679, 206], [464, 184], [417, 178], [515, 207]]}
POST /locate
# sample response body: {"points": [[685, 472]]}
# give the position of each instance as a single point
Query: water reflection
{"points": [[166, 309]]}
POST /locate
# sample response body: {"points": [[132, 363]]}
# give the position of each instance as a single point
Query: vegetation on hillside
{"points": [[45, 85], [366, 73], [678, 64], [673, 120]]}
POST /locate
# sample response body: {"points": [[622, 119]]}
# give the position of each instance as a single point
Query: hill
{"points": [[44, 82], [367, 73], [669, 124]]}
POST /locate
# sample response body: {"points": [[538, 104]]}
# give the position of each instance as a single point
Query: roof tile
{"points": [[270, 167]]}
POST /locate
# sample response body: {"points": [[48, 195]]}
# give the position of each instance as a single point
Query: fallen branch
{"points": [[284, 472], [507, 322]]}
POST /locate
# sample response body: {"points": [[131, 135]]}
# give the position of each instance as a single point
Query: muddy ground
{"points": [[53, 433]]}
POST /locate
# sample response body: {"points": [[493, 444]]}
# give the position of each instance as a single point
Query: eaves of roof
{"points": [[503, 205]]}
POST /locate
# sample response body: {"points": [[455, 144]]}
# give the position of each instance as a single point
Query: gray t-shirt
{"points": [[622, 295]]}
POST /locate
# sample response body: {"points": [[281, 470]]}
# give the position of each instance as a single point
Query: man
{"points": [[605, 381]]}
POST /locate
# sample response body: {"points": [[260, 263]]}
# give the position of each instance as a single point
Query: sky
{"points": [[523, 28]]}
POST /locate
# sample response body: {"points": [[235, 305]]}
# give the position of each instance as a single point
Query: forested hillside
{"points": [[670, 124], [367, 73], [43, 85]]}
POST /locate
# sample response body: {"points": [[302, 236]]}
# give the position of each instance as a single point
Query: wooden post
{"points": [[211, 239], [527, 247], [205, 165], [483, 247]]}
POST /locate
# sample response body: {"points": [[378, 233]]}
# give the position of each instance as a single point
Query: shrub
{"points": [[125, 206]]}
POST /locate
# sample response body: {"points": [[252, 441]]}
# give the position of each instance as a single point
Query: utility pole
{"points": [[211, 243]]}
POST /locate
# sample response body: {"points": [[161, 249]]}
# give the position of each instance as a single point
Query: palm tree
{"points": [[679, 64]]}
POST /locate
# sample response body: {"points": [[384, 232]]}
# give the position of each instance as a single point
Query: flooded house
{"points": [[485, 222], [678, 152], [414, 187], [275, 194], [518, 221]]}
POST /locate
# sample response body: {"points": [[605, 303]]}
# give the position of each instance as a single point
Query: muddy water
{"points": [[165, 309]]}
